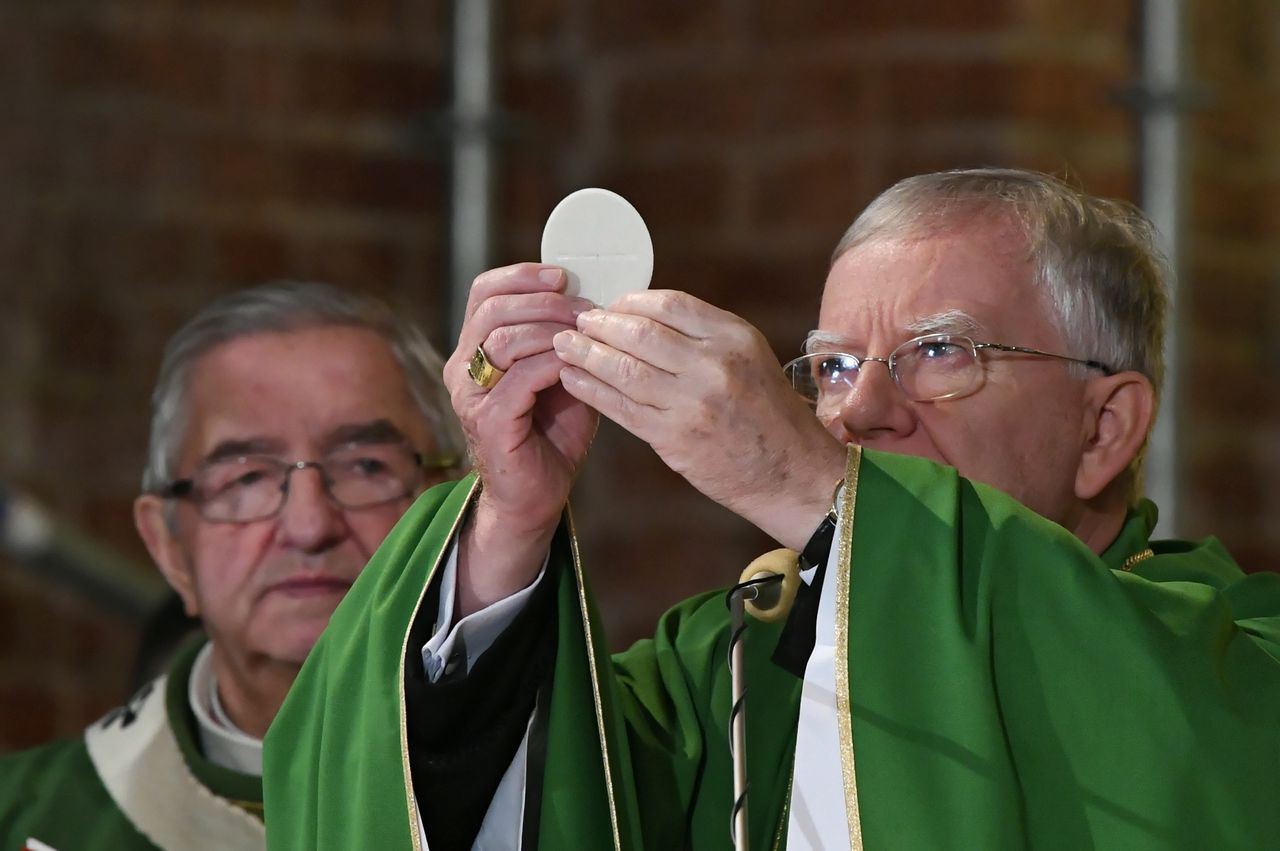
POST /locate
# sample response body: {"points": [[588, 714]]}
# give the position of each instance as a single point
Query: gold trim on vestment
{"points": [[844, 714], [253, 808], [414, 838], [786, 809], [595, 680], [1137, 558]]}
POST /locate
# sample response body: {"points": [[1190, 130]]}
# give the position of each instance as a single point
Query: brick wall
{"points": [[1231, 289], [156, 154]]}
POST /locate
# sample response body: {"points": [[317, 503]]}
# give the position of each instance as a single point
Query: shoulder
{"points": [[64, 760], [53, 794]]}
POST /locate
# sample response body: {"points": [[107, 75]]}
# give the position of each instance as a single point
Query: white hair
{"points": [[1096, 260], [289, 306]]}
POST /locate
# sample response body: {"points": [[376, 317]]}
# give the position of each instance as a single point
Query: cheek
{"points": [[226, 558], [980, 445], [369, 528]]}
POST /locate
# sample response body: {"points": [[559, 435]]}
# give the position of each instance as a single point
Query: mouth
{"points": [[310, 586]]}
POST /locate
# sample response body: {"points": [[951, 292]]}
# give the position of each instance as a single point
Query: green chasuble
{"points": [[1007, 687], [135, 780]]}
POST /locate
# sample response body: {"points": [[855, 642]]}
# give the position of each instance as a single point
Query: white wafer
{"points": [[600, 240]]}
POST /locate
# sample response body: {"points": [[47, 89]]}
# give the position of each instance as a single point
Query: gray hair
{"points": [[1096, 260], [290, 306]]}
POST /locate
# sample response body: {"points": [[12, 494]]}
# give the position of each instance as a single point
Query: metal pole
{"points": [[1161, 177], [471, 207], [56, 551]]}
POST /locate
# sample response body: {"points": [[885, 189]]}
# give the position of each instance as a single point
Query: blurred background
{"points": [[154, 154]]}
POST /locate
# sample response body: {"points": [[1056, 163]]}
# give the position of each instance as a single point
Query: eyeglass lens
{"points": [[256, 486], [933, 367]]}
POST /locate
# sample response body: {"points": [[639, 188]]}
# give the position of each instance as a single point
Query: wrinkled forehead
{"points": [[306, 390], [977, 280]]}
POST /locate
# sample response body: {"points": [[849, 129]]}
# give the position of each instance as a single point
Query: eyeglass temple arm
{"points": [[1026, 351]]}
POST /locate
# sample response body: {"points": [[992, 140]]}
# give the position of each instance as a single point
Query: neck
{"points": [[251, 690], [1100, 520]]}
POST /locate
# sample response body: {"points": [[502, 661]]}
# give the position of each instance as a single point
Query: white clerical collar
{"points": [[222, 741]]}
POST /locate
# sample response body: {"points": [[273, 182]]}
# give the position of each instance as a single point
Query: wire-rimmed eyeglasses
{"points": [[928, 368], [246, 488]]}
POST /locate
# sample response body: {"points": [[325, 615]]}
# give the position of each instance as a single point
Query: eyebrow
{"points": [[372, 432], [236, 447], [944, 322]]}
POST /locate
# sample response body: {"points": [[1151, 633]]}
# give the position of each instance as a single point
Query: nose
{"points": [[874, 408], [310, 520]]}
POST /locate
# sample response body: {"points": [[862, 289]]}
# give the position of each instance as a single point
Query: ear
{"points": [[166, 550], [1119, 409]]}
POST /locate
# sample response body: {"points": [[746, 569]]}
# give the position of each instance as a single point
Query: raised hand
{"points": [[701, 386], [527, 436]]}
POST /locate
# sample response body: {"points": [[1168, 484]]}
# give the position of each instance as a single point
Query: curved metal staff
{"points": [[767, 588]]}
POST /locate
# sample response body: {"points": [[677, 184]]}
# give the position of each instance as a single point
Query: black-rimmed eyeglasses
{"points": [[246, 488], [927, 369]]}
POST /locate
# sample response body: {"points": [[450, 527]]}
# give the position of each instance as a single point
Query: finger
{"points": [[508, 280], [510, 343], [507, 310], [679, 311], [639, 381], [611, 403], [641, 337], [512, 398]]}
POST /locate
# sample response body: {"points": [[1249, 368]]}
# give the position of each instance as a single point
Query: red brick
{"points": [[345, 84], [751, 286], [164, 252], [814, 98], [95, 336], [1082, 16], [815, 19], [244, 256], [340, 179], [173, 66], [277, 12], [542, 108], [371, 265], [920, 156], [700, 106], [1240, 208], [28, 715], [534, 20], [28, 163], [262, 78], [241, 170], [824, 191], [1068, 97], [97, 248], [420, 24], [678, 201], [635, 26], [528, 190], [124, 158], [940, 92]]}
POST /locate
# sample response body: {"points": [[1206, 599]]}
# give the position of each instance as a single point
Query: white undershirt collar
{"points": [[222, 741]]}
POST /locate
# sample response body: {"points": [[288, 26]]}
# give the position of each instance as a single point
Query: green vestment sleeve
{"points": [[1008, 688]]}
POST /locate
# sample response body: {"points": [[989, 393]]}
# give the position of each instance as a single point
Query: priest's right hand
{"points": [[526, 435]]}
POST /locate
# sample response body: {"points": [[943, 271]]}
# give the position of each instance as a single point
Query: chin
{"points": [[291, 644]]}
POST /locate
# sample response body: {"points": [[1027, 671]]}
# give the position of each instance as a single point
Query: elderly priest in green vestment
{"points": [[988, 651], [292, 425]]}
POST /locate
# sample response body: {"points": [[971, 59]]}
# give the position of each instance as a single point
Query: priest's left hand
{"points": [[702, 387]]}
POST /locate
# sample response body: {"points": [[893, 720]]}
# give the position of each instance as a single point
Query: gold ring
{"points": [[481, 371]]}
